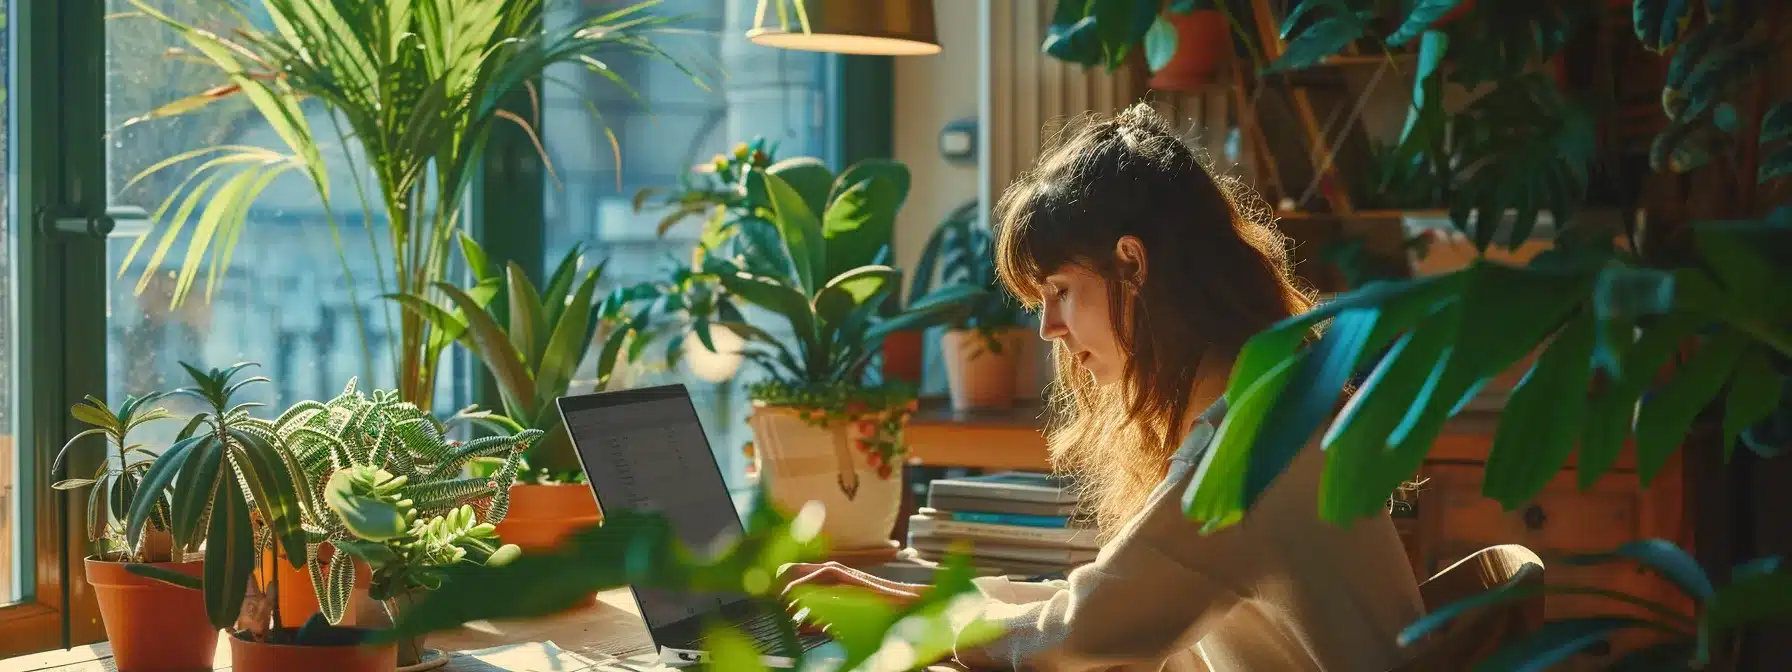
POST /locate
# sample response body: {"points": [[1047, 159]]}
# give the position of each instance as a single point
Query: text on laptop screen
{"points": [[644, 450]]}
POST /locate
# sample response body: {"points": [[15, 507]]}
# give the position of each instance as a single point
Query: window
{"points": [[292, 298], [774, 93]]}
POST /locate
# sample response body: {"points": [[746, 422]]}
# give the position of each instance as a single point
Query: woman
{"points": [[1148, 280]]}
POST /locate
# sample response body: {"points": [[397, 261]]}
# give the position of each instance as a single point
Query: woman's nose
{"points": [[1051, 324]]}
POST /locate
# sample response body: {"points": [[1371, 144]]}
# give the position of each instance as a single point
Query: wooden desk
{"points": [[587, 639], [939, 437]]}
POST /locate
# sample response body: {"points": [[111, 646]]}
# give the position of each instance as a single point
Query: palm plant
{"points": [[420, 86], [530, 339], [117, 482]]}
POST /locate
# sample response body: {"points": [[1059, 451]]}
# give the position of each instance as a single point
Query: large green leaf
{"points": [[368, 518], [1308, 398], [271, 485], [196, 487], [567, 345], [1776, 124], [1665, 558], [1543, 418], [1753, 396], [852, 289], [1419, 19], [1324, 38], [860, 220], [161, 474], [1217, 493], [788, 302], [1559, 640], [797, 225], [1665, 418], [934, 309], [1612, 410], [1160, 44], [1362, 456], [1121, 24], [809, 177], [229, 554], [1775, 165], [1751, 599], [493, 348], [528, 329]]}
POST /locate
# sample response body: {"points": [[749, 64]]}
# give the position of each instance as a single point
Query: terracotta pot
{"points": [[298, 597], [1202, 44], [978, 377], [903, 356], [246, 654], [371, 613], [540, 515], [153, 626], [801, 462]]}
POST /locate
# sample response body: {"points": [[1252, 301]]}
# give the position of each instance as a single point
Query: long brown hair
{"points": [[1215, 275]]}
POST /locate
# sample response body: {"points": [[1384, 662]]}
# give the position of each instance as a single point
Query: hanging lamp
{"points": [[866, 27]]}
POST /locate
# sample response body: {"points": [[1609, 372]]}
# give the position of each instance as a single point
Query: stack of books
{"points": [[1013, 522]]}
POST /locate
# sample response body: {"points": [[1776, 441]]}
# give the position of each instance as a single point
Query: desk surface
{"points": [[580, 640], [574, 641]]}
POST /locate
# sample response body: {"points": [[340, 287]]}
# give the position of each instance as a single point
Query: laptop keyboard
{"points": [[762, 629]]}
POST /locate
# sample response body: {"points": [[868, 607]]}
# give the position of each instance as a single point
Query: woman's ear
{"points": [[1129, 255]]}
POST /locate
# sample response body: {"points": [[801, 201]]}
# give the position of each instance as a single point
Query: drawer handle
{"points": [[1534, 518]]}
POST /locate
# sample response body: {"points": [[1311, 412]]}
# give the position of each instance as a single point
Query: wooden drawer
{"points": [[1452, 520]]}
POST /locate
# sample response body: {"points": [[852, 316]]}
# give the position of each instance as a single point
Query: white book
{"points": [[920, 526], [999, 550], [1021, 486]]}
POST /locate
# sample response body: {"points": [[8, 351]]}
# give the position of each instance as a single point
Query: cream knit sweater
{"points": [[1279, 591]]}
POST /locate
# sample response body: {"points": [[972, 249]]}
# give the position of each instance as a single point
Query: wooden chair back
{"points": [[1475, 635]]}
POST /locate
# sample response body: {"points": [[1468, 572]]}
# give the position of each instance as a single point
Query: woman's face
{"points": [[1074, 312]]}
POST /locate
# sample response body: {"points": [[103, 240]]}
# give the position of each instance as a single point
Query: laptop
{"points": [[644, 449]]}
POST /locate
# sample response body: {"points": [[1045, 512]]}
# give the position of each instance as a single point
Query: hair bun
{"points": [[1141, 117]]}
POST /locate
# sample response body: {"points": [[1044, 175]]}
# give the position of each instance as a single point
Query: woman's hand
{"points": [[836, 574]]}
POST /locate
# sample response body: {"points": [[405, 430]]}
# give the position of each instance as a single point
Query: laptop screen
{"points": [[645, 450]]}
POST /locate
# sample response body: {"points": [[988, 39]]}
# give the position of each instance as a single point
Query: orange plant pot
{"points": [[298, 598], [980, 378], [1202, 44], [153, 626], [903, 356], [541, 515], [262, 657]]}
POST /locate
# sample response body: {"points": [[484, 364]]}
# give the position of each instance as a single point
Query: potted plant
{"points": [[987, 339], [151, 625], [237, 490], [382, 431], [816, 404], [417, 86], [405, 550], [531, 341]]}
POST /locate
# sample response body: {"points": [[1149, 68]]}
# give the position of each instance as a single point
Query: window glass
{"points": [[761, 92], [300, 294]]}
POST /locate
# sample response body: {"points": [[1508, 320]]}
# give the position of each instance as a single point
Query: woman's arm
{"points": [[1156, 590]]}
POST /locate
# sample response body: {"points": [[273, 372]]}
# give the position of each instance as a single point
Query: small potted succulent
{"points": [[987, 340], [531, 340], [379, 433], [151, 625], [238, 491]]}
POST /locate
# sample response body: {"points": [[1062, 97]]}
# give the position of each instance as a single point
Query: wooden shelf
{"points": [[1008, 439]]}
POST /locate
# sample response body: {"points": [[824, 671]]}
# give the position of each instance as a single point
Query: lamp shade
{"points": [[870, 27]]}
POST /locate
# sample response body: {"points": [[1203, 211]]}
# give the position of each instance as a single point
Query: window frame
{"points": [[59, 222], [58, 176]]}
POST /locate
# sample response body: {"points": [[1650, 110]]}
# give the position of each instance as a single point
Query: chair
{"points": [[1477, 634]]}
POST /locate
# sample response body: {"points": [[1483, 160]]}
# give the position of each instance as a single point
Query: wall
{"points": [[931, 91]]}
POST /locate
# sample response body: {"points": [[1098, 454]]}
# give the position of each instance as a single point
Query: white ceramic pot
{"points": [[978, 377], [801, 462]]}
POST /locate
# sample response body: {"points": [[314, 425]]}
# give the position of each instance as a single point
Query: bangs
{"points": [[1030, 240]]}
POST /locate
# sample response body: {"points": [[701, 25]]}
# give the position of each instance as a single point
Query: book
{"points": [[1024, 486], [1002, 518], [923, 525], [1001, 566], [994, 505], [998, 550]]}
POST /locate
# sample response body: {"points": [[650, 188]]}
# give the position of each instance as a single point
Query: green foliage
{"points": [[379, 467], [419, 84], [225, 464], [1105, 32], [793, 239], [881, 412], [116, 484], [530, 339], [964, 255], [1759, 590], [641, 549], [403, 550]]}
